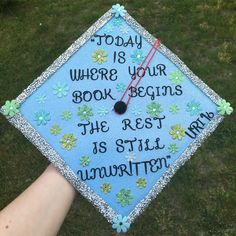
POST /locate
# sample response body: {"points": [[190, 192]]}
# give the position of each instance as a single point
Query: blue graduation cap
{"points": [[117, 114]]}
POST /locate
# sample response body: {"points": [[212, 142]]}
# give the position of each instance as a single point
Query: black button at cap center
{"points": [[120, 107]]}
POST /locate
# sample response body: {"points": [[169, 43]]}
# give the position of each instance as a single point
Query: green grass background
{"points": [[200, 199]]}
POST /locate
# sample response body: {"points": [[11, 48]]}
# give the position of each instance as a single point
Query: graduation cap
{"points": [[117, 114]]}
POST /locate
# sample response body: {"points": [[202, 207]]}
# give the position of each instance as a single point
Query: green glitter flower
{"points": [[66, 115], [141, 183], [224, 107], [68, 141], [42, 117], [154, 109], [106, 188], [124, 197], [173, 148], [99, 56], [84, 161], [176, 77], [120, 87], [177, 132], [85, 112], [174, 109], [55, 129], [10, 108]]}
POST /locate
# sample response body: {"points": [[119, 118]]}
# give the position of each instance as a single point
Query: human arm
{"points": [[40, 210]]}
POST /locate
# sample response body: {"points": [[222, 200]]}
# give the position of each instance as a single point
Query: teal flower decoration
{"points": [[10, 108], [120, 87], [124, 197], [60, 90], [177, 132], [105, 188], [137, 56], [194, 108], [102, 111], [174, 109], [85, 112], [84, 161], [118, 10], [173, 148], [117, 22], [99, 56], [154, 109], [224, 108], [141, 183], [176, 77], [68, 141], [108, 28], [66, 115], [120, 224], [41, 98], [42, 117], [136, 110], [55, 129]]}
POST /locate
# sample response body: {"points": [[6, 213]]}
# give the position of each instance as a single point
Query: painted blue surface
{"points": [[82, 59]]}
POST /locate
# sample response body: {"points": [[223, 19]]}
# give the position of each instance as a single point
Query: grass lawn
{"points": [[201, 198]]}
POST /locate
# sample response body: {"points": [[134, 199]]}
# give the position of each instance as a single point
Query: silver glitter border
{"points": [[34, 137]]}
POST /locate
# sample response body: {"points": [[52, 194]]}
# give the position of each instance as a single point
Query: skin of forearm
{"points": [[40, 209]]}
